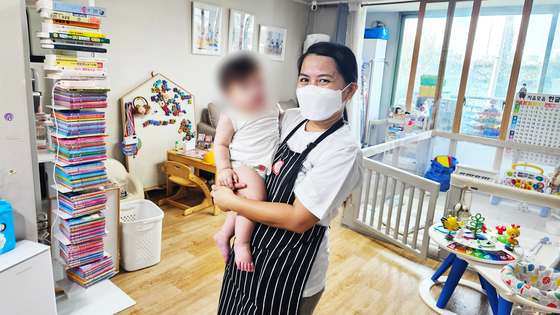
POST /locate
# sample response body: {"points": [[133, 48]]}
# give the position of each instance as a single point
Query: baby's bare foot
{"points": [[243, 257], [223, 244]]}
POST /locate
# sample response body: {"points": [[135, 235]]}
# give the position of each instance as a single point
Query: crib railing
{"points": [[393, 206]]}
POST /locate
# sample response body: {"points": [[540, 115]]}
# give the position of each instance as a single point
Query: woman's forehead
{"points": [[314, 65]]}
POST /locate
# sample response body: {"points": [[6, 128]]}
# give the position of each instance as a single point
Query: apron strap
{"points": [[322, 137], [294, 130], [295, 170]]}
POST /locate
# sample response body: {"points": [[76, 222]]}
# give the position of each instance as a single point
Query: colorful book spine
{"points": [[79, 38], [70, 7], [75, 48], [67, 17], [69, 42], [68, 29], [50, 58], [74, 23], [65, 63]]}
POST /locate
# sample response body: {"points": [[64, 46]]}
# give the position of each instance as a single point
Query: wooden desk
{"points": [[197, 164]]}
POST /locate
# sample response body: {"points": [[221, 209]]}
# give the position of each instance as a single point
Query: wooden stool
{"points": [[181, 175]]}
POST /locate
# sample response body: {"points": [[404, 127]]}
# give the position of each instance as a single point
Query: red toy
{"points": [[501, 229]]}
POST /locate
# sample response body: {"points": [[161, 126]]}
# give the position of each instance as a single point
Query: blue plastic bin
{"points": [[377, 32], [7, 234]]}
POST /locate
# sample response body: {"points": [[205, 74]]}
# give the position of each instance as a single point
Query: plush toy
{"points": [[140, 109], [555, 183]]}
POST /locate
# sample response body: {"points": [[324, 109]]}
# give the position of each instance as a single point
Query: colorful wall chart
{"points": [[536, 121]]}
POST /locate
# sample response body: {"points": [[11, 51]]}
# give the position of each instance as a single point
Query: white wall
{"points": [[156, 35], [323, 21], [391, 20], [17, 137]]}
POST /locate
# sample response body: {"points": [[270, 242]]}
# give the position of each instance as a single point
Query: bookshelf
{"points": [[84, 252]]}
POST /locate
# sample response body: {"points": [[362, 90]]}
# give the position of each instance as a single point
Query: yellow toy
{"points": [[450, 224], [512, 233]]}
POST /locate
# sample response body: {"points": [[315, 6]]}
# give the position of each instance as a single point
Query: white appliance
{"points": [[26, 280], [373, 55], [314, 38]]}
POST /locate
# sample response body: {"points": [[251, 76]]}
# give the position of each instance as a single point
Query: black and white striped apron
{"points": [[282, 259]]}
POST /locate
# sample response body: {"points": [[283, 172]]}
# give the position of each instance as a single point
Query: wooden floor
{"points": [[365, 276]]}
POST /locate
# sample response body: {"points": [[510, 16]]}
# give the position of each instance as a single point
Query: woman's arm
{"points": [[295, 218]]}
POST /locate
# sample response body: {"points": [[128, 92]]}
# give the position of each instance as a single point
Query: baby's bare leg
{"points": [[244, 227], [224, 235]]}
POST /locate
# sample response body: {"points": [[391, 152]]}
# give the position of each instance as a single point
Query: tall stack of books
{"points": [[79, 130]]}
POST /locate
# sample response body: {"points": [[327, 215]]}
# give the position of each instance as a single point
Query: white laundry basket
{"points": [[140, 234]]}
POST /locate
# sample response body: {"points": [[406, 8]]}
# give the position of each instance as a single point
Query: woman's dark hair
{"points": [[237, 69], [343, 57]]}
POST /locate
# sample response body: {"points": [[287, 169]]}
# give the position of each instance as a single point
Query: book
{"points": [[65, 83], [69, 42], [79, 64], [195, 153], [78, 38], [74, 47], [69, 7], [68, 29], [74, 58], [76, 72], [73, 23], [68, 17]]}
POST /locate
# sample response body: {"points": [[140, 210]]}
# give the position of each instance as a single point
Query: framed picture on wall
{"points": [[206, 29], [241, 28], [272, 42]]}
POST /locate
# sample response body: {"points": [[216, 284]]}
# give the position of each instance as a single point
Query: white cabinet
{"points": [[26, 280]]}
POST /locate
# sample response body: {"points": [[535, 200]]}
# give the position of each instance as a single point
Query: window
{"points": [[492, 58]]}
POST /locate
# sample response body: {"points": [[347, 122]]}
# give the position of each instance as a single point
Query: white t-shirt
{"points": [[331, 172], [255, 139]]}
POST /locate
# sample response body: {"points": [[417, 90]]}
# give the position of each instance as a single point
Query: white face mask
{"points": [[317, 103]]}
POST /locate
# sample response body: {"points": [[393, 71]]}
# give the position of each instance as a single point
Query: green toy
{"points": [[475, 224]]}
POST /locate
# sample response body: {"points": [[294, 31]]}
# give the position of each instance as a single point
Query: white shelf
{"points": [[66, 216], [70, 288], [61, 188], [61, 238], [45, 156]]}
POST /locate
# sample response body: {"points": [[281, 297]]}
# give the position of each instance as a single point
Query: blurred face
{"points": [[322, 72], [249, 94]]}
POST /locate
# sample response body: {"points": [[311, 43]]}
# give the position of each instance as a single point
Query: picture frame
{"points": [[241, 30], [206, 29], [272, 42]]}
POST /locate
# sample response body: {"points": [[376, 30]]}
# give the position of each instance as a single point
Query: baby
{"points": [[246, 140]]}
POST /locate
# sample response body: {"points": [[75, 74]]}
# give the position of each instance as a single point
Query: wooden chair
{"points": [[181, 175]]}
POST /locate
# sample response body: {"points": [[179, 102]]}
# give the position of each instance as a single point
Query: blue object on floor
{"points": [[495, 200], [459, 267], [491, 293], [504, 306], [544, 211], [446, 264]]}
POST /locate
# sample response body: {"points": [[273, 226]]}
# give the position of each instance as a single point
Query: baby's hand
{"points": [[227, 178]]}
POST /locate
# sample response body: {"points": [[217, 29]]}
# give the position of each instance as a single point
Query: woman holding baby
{"points": [[280, 257]]}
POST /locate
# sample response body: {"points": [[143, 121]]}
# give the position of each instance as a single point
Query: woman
{"points": [[317, 166]]}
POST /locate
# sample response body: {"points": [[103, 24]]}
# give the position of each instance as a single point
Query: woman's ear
{"points": [[350, 91]]}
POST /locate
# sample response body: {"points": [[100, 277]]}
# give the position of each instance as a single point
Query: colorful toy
{"points": [[511, 241], [525, 179], [522, 206], [450, 223], [501, 229], [476, 224]]}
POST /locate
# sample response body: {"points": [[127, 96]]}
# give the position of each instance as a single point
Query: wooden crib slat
{"points": [[408, 213], [382, 203], [418, 215], [391, 201], [374, 200], [366, 199], [398, 223]]}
